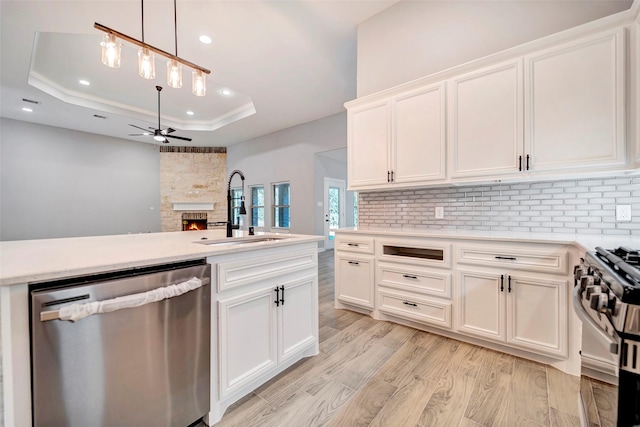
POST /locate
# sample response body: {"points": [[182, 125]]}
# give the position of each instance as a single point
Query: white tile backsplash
{"points": [[584, 206]]}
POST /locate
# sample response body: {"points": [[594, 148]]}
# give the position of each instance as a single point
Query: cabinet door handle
{"points": [[412, 304], [509, 288], [354, 263], [527, 162], [353, 244], [282, 295], [502, 283], [391, 176], [409, 276], [510, 258], [277, 301], [388, 176], [520, 163]]}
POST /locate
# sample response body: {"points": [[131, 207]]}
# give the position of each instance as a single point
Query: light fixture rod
{"points": [[148, 46], [175, 25]]}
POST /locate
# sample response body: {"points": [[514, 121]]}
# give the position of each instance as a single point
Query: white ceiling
{"points": [[291, 61]]}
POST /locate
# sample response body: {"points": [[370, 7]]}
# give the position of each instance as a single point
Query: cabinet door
{"points": [[368, 145], [418, 149], [482, 304], [354, 280], [486, 122], [537, 313], [297, 318], [575, 104], [247, 338]]}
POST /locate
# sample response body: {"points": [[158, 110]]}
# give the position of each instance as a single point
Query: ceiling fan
{"points": [[159, 134]]}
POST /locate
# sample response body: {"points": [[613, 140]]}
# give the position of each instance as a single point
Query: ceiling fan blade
{"points": [[169, 130], [138, 134], [178, 137], [138, 127]]}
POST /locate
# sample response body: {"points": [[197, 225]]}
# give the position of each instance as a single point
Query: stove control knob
{"points": [[592, 290], [586, 281], [578, 271], [599, 302]]}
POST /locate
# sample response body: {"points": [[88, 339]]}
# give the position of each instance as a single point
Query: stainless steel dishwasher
{"points": [[140, 357]]}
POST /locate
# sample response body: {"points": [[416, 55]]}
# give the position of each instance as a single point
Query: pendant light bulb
{"points": [[111, 50], [174, 74], [146, 63], [199, 83]]}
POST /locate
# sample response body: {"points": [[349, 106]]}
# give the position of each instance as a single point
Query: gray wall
{"points": [[413, 39], [60, 183], [289, 155]]}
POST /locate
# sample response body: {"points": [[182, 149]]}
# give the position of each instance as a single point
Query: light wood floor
{"points": [[374, 373]]}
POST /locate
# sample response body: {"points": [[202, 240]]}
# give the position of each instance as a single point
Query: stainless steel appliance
{"points": [[607, 299], [135, 362]]}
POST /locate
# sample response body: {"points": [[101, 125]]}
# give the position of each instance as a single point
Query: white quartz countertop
{"points": [[25, 261], [584, 242]]}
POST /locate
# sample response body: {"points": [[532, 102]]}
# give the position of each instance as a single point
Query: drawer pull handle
{"points": [[354, 263], [353, 244], [409, 276], [277, 301], [509, 258], [412, 304], [502, 283]]}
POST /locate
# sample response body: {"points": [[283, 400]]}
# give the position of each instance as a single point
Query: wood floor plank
{"points": [[488, 395], [237, 414], [605, 397], [529, 384], [406, 405], [448, 401], [327, 402], [563, 389], [365, 405], [436, 359], [347, 335], [563, 419], [467, 360], [466, 422], [402, 363], [586, 393]]}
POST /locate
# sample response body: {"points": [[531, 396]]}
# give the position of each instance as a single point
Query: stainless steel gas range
{"points": [[607, 299]]}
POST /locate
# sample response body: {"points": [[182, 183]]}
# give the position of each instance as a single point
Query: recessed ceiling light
{"points": [[84, 82], [190, 113], [225, 92], [28, 110], [205, 39]]}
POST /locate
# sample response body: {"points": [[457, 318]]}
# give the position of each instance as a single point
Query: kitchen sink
{"points": [[240, 240]]}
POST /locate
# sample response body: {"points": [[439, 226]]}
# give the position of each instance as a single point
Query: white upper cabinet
{"points": [[368, 145], [418, 151], [575, 104], [486, 137], [400, 140]]}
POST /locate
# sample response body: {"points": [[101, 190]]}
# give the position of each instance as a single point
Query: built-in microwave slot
{"points": [[411, 252]]}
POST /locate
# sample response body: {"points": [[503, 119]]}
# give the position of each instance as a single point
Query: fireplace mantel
{"points": [[193, 206]]}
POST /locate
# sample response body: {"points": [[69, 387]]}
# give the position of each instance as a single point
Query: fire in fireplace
{"points": [[194, 221]]}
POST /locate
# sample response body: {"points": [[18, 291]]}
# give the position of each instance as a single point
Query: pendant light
{"points": [[146, 58], [174, 68], [111, 51]]}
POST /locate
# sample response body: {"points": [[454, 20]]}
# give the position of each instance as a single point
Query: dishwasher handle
{"points": [[75, 312]]}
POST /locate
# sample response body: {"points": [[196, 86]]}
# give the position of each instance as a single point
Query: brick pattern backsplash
{"points": [[583, 206], [192, 175]]}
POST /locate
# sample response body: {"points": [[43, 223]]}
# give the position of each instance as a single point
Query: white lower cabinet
{"points": [[415, 307], [354, 279], [526, 312], [261, 329]]}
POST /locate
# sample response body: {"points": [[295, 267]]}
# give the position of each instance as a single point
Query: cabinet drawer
{"points": [[249, 270], [354, 280], [545, 259], [363, 245], [414, 279], [416, 308]]}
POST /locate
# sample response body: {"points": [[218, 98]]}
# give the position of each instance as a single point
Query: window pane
{"points": [[281, 217], [355, 208], [257, 196], [281, 194], [257, 217], [334, 207], [236, 200]]}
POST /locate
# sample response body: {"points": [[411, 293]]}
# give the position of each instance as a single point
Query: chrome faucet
{"points": [[243, 211]]}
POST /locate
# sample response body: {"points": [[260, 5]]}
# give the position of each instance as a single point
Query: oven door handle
{"points": [[586, 319], [75, 312]]}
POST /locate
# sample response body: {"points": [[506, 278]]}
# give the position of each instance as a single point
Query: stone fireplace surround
{"points": [[192, 177]]}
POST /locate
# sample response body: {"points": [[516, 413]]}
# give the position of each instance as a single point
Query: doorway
{"points": [[334, 209]]}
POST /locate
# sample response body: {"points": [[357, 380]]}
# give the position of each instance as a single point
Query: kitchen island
{"points": [[243, 267]]}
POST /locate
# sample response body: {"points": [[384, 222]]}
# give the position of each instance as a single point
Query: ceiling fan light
{"points": [[159, 138], [111, 51], [199, 83], [146, 63], [174, 74]]}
